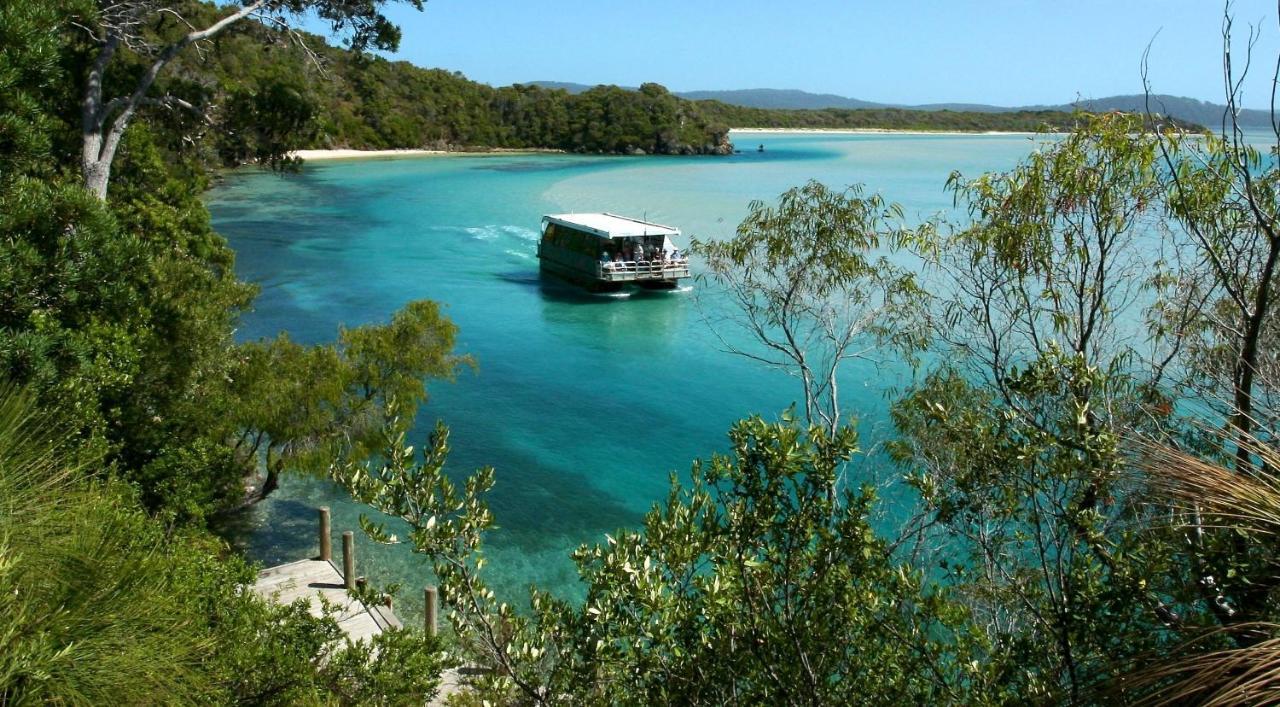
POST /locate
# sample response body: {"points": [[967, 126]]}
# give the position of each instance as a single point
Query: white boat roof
{"points": [[608, 225]]}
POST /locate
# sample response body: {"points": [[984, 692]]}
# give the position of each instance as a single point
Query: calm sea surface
{"points": [[584, 405]]}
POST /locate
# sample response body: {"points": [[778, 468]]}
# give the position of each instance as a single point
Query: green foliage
{"points": [[29, 71], [271, 97], [105, 605], [94, 299], [271, 118], [301, 407], [96, 295], [1025, 121], [283, 655], [756, 583], [119, 315], [812, 288], [1014, 439], [1217, 315], [118, 318], [1035, 527]]}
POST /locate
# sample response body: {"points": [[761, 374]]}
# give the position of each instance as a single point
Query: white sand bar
{"points": [[361, 154]]}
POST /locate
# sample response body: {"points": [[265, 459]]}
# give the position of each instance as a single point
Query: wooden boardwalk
{"points": [[320, 582], [313, 579]]}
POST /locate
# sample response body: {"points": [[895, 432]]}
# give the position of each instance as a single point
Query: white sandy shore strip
{"points": [[361, 154], [875, 131], [346, 154]]}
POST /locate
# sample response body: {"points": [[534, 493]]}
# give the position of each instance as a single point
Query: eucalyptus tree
{"points": [[1012, 439], [809, 283], [1217, 317], [155, 32]]}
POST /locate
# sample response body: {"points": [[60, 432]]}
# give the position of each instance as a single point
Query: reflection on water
{"points": [[535, 165], [634, 320]]}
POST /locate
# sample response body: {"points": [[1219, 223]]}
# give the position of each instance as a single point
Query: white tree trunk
{"points": [[104, 122]]}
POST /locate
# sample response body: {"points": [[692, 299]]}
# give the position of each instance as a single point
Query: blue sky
{"points": [[897, 51]]}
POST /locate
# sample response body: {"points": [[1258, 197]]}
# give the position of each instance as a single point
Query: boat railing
{"points": [[668, 267]]}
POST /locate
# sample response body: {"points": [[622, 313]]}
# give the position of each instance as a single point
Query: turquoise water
{"points": [[584, 404]]}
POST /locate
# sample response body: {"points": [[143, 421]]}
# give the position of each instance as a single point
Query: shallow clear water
{"points": [[584, 405]]}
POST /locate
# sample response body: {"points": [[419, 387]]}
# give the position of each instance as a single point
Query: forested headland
{"points": [[278, 90], [1088, 449]]}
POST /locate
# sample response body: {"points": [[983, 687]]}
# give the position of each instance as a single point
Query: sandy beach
{"points": [[361, 154], [873, 131], [347, 154]]}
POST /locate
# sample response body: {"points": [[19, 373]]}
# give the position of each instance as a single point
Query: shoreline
{"points": [[875, 131], [325, 155], [350, 154]]}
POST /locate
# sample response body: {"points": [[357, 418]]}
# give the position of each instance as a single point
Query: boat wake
{"points": [[493, 232]]}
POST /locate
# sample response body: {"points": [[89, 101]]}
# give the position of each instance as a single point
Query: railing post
{"points": [[349, 559], [326, 542], [431, 595]]}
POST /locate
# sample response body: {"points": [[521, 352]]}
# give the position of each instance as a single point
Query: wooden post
{"points": [[349, 559], [326, 542], [430, 610]]}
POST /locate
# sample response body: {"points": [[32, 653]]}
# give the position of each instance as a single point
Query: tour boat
{"points": [[605, 252]]}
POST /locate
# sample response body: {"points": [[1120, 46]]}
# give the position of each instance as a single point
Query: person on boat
{"points": [[606, 262]]}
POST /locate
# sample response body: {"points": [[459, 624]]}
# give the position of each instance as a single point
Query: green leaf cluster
{"points": [[103, 604], [758, 582]]}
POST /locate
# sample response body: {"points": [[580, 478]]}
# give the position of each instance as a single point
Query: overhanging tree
{"points": [[158, 31]]}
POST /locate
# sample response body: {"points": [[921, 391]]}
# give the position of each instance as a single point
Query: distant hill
{"points": [[778, 98], [1185, 109], [1189, 109], [572, 88]]}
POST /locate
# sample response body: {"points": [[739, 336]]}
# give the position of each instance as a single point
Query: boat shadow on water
{"points": [[635, 320], [554, 289]]}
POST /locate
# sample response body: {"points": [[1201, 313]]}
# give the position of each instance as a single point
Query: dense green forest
{"points": [[131, 422], [889, 119], [1088, 449], [328, 97], [317, 95], [903, 119]]}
